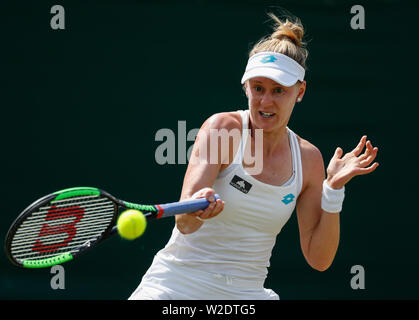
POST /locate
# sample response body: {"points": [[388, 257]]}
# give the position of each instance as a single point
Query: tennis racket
{"points": [[62, 225]]}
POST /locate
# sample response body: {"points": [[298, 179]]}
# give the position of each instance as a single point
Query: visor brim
{"points": [[284, 78]]}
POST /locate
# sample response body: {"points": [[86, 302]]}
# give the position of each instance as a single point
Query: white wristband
{"points": [[332, 199]]}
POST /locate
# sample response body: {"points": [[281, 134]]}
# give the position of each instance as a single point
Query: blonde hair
{"points": [[287, 39]]}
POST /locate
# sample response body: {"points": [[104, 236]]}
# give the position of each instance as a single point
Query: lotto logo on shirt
{"points": [[288, 198], [240, 184]]}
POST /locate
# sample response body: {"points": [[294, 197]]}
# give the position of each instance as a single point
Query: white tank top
{"points": [[239, 241]]}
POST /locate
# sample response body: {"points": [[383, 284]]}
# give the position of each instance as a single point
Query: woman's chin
{"points": [[266, 124]]}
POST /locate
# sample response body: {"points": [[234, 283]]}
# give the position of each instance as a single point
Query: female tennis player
{"points": [[223, 252]]}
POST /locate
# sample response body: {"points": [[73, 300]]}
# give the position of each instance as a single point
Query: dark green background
{"points": [[81, 106]]}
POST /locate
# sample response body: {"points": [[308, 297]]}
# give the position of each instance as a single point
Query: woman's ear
{"points": [[245, 89], [301, 91]]}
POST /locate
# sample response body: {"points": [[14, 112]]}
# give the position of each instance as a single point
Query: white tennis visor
{"points": [[275, 66]]}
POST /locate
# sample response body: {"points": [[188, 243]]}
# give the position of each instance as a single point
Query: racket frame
{"points": [[66, 256], [149, 211]]}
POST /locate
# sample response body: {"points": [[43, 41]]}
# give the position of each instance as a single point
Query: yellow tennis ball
{"points": [[131, 224]]}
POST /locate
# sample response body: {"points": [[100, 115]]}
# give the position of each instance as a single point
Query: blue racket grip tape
{"points": [[188, 206]]}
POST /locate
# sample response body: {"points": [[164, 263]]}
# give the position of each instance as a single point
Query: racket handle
{"points": [[188, 206]]}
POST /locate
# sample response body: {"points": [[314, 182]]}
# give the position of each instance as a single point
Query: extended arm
{"points": [[203, 169], [320, 228]]}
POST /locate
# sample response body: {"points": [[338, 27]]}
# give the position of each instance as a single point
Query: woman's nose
{"points": [[266, 99]]}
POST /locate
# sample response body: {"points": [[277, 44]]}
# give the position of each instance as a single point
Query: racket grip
{"points": [[188, 206]]}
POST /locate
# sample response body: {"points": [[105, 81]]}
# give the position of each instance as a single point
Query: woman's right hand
{"points": [[191, 222], [212, 210]]}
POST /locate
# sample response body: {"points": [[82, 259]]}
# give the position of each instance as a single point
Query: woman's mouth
{"points": [[266, 115]]}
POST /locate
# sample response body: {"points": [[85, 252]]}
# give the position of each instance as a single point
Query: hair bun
{"points": [[292, 31], [287, 39]]}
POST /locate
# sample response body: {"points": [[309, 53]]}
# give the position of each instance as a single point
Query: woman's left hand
{"points": [[342, 169]]}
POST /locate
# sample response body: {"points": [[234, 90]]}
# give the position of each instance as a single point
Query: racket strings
{"points": [[62, 226]]}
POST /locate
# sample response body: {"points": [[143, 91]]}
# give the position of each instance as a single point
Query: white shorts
{"points": [[173, 281]]}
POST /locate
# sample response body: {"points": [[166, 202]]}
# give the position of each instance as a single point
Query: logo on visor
{"points": [[268, 59]]}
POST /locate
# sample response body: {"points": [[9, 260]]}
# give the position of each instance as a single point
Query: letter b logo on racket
{"points": [[51, 232]]}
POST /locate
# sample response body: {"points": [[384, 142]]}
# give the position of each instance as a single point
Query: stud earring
{"points": [[299, 99]]}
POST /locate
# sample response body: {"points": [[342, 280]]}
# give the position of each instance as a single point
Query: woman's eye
{"points": [[278, 90], [258, 89]]}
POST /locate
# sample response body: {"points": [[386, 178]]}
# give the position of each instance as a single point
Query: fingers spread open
{"points": [[360, 146], [367, 159], [338, 153], [361, 171]]}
